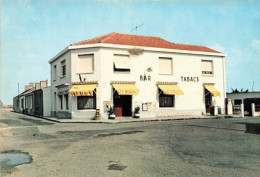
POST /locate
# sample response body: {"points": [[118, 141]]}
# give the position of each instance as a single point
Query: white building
{"points": [[126, 71], [239, 97]]}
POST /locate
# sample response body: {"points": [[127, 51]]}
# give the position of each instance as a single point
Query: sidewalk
{"points": [[130, 119]]}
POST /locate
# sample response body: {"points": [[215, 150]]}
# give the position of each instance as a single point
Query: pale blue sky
{"points": [[32, 32]]}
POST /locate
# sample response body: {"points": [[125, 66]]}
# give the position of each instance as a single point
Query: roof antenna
{"points": [[253, 86], [136, 28]]}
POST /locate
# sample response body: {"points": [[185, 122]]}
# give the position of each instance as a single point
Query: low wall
{"points": [[84, 114], [63, 115]]}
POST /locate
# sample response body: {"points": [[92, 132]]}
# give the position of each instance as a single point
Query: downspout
{"points": [[224, 81], [52, 99]]}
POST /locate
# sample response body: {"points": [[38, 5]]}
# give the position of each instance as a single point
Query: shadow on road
{"points": [[253, 128], [218, 128]]}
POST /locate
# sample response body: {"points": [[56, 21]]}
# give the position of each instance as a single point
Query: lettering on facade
{"points": [[189, 79], [145, 78], [81, 93], [125, 92]]}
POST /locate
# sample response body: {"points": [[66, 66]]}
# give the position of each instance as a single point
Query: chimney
{"points": [[37, 86], [27, 87], [44, 83], [31, 85]]}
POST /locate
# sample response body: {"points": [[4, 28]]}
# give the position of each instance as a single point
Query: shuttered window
{"points": [[122, 63], [63, 68], [86, 63], [54, 74], [206, 67], [165, 66]]}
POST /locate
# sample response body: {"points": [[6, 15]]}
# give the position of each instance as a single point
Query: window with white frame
{"points": [[206, 67], [165, 66], [31, 102], [86, 64], [67, 101], [63, 68], [87, 102], [122, 63], [61, 101], [22, 105], [54, 72]]}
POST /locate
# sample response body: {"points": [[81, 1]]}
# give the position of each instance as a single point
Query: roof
{"points": [[27, 91], [145, 41]]}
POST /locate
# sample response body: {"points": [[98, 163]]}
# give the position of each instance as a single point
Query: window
{"points": [[166, 100], [22, 105], [206, 67], [122, 63], [63, 68], [61, 101], [165, 66], [238, 102], [87, 102], [67, 101], [54, 72], [86, 63], [30, 101], [26, 102]]}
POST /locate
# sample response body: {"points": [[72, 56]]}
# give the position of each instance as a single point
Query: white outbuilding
{"points": [[126, 71]]}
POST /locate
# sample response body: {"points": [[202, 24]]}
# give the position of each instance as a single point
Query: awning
{"points": [[212, 89], [126, 89], [171, 89], [83, 90]]}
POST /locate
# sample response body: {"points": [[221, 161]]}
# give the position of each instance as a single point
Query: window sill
{"points": [[62, 77], [63, 110], [86, 110], [121, 72], [85, 73], [208, 75], [166, 108]]}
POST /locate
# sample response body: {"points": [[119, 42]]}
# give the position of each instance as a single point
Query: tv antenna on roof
{"points": [[136, 28]]}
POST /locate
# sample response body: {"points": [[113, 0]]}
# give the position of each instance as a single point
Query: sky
{"points": [[34, 31]]}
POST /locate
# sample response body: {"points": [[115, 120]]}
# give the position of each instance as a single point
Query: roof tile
{"points": [[145, 41]]}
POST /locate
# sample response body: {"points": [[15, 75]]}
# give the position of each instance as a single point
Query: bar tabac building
{"points": [[126, 71]]}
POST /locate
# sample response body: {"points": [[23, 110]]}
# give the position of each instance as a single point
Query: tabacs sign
{"points": [[189, 79]]}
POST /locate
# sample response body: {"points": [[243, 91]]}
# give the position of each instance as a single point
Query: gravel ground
{"points": [[203, 147]]}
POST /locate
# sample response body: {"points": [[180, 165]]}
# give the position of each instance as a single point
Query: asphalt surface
{"points": [[203, 147]]}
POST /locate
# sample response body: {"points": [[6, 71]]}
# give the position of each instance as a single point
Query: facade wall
{"points": [[242, 96], [57, 82], [184, 65], [16, 104], [30, 104], [46, 101]]}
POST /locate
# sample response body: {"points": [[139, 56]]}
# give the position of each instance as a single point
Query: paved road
{"points": [[215, 147]]}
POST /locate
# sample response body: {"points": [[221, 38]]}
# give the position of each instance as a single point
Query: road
{"points": [[202, 147]]}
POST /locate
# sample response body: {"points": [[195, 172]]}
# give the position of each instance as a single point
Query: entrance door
{"points": [[123, 105], [208, 100]]}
